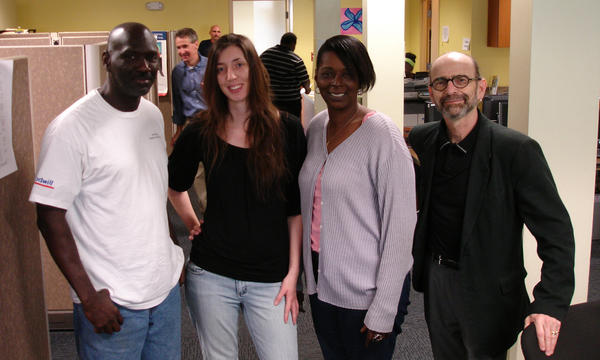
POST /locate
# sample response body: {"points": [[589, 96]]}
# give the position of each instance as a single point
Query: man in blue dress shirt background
{"points": [[188, 75]]}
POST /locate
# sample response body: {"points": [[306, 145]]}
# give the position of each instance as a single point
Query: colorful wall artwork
{"points": [[351, 21]]}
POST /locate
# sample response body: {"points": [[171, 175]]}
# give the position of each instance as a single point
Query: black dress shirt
{"points": [[448, 193]]}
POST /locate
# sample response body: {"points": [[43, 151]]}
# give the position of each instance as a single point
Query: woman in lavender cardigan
{"points": [[358, 211]]}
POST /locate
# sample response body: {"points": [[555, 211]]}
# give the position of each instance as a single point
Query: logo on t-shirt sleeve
{"points": [[154, 136], [44, 182]]}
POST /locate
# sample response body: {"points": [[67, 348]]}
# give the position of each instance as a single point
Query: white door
{"points": [[262, 21]]}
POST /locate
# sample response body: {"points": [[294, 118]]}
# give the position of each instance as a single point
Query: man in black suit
{"points": [[480, 182]]}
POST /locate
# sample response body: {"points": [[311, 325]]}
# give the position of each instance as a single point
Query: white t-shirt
{"points": [[108, 169]]}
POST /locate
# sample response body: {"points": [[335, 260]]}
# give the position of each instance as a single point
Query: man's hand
{"points": [[288, 290], [373, 336], [102, 313], [546, 329]]}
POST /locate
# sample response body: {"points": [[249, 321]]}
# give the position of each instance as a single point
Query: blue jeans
{"points": [[149, 334], [215, 302]]}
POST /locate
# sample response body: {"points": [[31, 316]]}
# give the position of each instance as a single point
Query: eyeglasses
{"points": [[459, 82]]}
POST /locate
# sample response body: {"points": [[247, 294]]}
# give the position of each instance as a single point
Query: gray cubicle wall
{"points": [[31, 41], [57, 80], [82, 40], [23, 324], [83, 33], [24, 35], [82, 37]]}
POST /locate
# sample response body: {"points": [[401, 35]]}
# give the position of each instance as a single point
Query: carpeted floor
{"points": [[412, 344]]}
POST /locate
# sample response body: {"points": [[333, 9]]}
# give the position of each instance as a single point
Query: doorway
{"points": [[262, 21]]}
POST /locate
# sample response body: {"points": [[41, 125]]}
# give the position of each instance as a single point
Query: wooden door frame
{"points": [[429, 24]]}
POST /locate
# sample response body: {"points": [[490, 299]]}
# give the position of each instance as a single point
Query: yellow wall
{"points": [[456, 15], [81, 15], [492, 61], [8, 14], [304, 30], [75, 15], [412, 29], [468, 19]]}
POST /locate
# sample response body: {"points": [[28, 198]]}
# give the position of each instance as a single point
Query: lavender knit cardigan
{"points": [[367, 220]]}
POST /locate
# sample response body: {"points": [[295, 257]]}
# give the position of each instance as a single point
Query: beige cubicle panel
{"points": [[32, 41], [24, 36], [82, 40], [23, 324], [57, 80], [83, 33]]}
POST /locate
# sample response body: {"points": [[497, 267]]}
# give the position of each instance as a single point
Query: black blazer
{"points": [[509, 185]]}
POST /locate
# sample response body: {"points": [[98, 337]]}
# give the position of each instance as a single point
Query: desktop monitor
{"points": [[432, 113], [495, 107]]}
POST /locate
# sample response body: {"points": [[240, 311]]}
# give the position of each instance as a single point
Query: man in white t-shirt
{"points": [[101, 193]]}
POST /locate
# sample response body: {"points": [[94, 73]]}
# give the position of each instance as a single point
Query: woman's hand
{"points": [[288, 290], [195, 230], [373, 336], [183, 206]]}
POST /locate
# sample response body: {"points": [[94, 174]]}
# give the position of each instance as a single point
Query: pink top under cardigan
{"points": [[315, 226]]}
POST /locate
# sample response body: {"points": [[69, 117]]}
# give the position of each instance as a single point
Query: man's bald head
{"points": [[454, 57], [215, 33], [131, 31]]}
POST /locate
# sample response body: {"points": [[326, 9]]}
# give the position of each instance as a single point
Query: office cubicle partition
{"points": [[25, 41], [57, 79], [23, 323]]}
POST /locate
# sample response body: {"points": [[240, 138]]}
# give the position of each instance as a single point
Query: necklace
{"points": [[340, 131]]}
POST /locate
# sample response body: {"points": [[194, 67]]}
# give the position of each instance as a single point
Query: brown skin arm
{"points": [[306, 87], [97, 305], [173, 236], [371, 335]]}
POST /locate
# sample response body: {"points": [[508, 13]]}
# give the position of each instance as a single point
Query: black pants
{"points": [[444, 312], [338, 330]]}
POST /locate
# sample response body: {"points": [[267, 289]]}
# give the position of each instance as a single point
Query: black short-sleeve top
{"points": [[243, 237]]}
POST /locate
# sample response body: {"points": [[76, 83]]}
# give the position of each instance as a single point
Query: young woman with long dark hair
{"points": [[246, 253]]}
